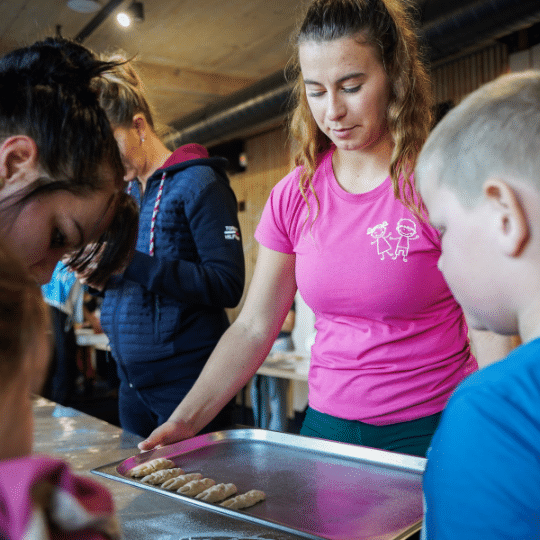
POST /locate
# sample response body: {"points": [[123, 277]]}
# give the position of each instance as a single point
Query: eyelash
{"points": [[346, 90]]}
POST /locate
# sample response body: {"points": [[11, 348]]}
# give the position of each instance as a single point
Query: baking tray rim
{"points": [[392, 460]]}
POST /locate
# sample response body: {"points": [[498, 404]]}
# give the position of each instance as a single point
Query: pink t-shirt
{"points": [[75, 508], [391, 341]]}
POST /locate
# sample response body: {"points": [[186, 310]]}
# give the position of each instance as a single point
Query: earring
{"points": [[142, 139]]}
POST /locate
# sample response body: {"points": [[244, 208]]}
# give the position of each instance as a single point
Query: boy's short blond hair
{"points": [[494, 132]]}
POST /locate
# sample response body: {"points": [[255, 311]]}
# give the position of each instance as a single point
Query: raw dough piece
{"points": [[159, 477], [176, 483], [195, 487], [151, 466], [217, 493], [245, 500]]}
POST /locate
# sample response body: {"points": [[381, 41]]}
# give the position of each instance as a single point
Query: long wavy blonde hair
{"points": [[388, 27]]}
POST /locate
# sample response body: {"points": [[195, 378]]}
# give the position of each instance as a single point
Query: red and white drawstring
{"points": [[154, 215], [154, 212]]}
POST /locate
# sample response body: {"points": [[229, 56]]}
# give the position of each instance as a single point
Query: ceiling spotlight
{"points": [[134, 13], [123, 19], [84, 6]]}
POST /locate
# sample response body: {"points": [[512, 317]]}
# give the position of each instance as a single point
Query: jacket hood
{"points": [[189, 155]]}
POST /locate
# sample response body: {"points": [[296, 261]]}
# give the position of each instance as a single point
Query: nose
{"points": [[336, 108]]}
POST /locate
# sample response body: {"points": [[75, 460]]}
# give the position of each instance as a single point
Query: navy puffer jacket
{"points": [[165, 314]]}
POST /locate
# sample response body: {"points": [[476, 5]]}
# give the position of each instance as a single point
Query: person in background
{"points": [[91, 312], [478, 176], [61, 175], [166, 312], [347, 228], [105, 375], [40, 496], [64, 295], [269, 394]]}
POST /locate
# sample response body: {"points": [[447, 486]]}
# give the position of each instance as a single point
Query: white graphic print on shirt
{"points": [[378, 233], [407, 232]]}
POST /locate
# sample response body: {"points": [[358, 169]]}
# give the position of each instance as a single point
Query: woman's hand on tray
{"points": [[169, 432]]}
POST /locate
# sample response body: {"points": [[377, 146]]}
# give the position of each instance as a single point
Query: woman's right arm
{"points": [[240, 351]]}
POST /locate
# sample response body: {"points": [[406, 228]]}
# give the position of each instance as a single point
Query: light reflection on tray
{"points": [[314, 488]]}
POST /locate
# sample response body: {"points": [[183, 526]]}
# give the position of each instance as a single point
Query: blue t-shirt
{"points": [[482, 479], [64, 292]]}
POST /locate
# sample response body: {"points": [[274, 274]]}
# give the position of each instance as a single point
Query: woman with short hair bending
{"points": [[61, 194], [61, 176]]}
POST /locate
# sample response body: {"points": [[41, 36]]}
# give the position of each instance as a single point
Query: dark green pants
{"points": [[411, 437]]}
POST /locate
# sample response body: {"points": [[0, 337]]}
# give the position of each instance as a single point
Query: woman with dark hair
{"points": [[61, 194], [348, 229], [61, 175]]}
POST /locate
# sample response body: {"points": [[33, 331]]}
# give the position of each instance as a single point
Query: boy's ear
{"points": [[18, 156], [512, 225]]}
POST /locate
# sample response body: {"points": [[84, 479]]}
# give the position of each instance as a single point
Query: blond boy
{"points": [[479, 176]]}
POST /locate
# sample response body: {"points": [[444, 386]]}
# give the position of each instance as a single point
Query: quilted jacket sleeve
{"points": [[217, 277]]}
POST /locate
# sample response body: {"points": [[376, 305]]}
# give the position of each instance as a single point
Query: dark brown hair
{"points": [[46, 94]]}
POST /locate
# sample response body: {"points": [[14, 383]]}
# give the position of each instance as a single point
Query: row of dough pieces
{"points": [[162, 471]]}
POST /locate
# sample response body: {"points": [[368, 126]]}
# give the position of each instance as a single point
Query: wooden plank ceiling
{"points": [[190, 53], [194, 53]]}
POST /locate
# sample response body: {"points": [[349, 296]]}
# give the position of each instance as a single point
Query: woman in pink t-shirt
{"points": [[347, 229]]}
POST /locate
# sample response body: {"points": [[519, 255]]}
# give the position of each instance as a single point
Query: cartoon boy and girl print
{"points": [[406, 229]]}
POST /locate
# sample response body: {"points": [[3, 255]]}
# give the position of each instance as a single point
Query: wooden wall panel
{"points": [[454, 80], [268, 161]]}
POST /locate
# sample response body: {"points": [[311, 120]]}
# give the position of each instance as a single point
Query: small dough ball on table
{"points": [[217, 493], [151, 466], [193, 488], [245, 500], [159, 477], [176, 483]]}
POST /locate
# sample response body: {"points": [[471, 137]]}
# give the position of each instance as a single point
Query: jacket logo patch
{"points": [[232, 233]]}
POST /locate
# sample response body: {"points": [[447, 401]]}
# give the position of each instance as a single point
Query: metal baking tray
{"points": [[314, 488]]}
